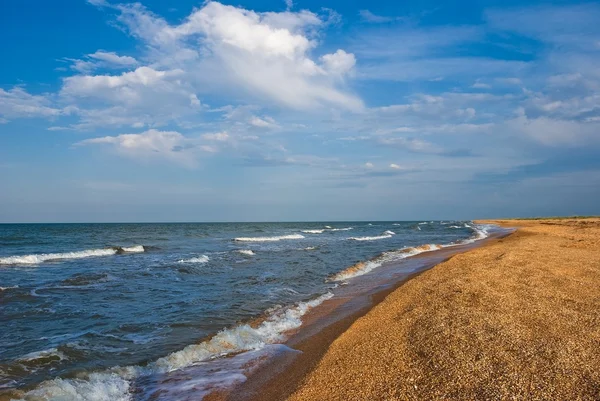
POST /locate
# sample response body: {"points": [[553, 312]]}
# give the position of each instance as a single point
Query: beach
{"points": [[515, 319]]}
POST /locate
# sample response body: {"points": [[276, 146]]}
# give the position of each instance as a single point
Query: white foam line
{"points": [[387, 234], [199, 259], [44, 257], [268, 239], [481, 232], [247, 252]]}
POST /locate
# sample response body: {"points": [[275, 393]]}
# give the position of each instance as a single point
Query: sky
{"points": [[272, 110]]}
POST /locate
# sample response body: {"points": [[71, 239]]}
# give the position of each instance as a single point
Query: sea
{"points": [[94, 311]]}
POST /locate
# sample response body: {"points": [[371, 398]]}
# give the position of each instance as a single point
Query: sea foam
{"points": [[361, 268], [386, 234], [114, 384], [48, 257], [247, 252], [480, 231], [268, 239], [45, 257], [198, 259]]}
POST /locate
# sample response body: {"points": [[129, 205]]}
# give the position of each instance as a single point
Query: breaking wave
{"points": [[50, 257], [199, 259], [248, 252], [327, 228], [114, 384], [481, 231], [133, 249], [268, 239], [45, 257], [386, 234], [45, 356], [361, 268]]}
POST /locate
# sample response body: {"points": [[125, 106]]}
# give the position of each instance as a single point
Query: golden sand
{"points": [[516, 319]]}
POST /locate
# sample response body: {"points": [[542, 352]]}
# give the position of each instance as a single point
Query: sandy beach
{"points": [[518, 318]]}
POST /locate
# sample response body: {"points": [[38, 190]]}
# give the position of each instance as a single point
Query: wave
{"points": [[9, 288], [361, 268], [309, 248], [481, 231], [386, 234], [133, 249], [199, 259], [44, 356], [50, 257], [46, 257], [114, 384], [246, 252], [327, 228], [268, 239]]}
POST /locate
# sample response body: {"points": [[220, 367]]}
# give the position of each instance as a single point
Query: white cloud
{"points": [[151, 145], [369, 165], [219, 136], [143, 96], [266, 54], [339, 63], [265, 122], [113, 58], [395, 166], [18, 103], [102, 59], [555, 132], [289, 4]]}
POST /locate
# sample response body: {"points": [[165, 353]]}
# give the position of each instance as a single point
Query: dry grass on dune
{"points": [[516, 319]]}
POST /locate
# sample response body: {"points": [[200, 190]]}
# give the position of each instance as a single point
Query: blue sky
{"points": [[298, 110]]}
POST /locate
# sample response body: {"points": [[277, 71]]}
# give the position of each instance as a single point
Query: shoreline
{"points": [[504, 320], [278, 377]]}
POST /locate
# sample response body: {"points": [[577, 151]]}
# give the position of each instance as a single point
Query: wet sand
{"points": [[518, 318]]}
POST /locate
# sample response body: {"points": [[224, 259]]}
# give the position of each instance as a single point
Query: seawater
{"points": [[89, 308]]}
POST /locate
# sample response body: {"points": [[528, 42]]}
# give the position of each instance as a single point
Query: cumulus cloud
{"points": [[143, 96], [339, 63], [266, 54], [151, 145]]}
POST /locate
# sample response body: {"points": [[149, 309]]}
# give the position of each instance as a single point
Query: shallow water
{"points": [[83, 298]]}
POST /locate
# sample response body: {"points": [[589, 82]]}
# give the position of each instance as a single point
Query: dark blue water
{"points": [[87, 297]]}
